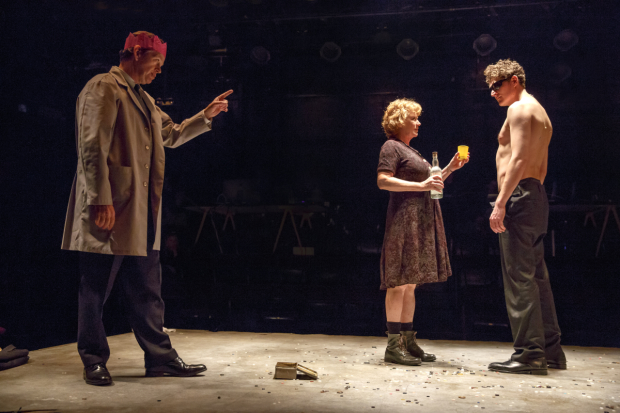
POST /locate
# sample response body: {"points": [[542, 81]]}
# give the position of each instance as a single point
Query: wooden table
{"points": [[306, 211], [589, 211]]}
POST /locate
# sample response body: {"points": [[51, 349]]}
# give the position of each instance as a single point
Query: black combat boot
{"points": [[395, 352], [411, 345]]}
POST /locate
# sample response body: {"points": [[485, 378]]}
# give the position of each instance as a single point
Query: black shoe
{"points": [[557, 364], [537, 367], [175, 368], [97, 375]]}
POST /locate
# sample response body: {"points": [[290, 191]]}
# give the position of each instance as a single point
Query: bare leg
{"points": [[394, 303], [409, 335], [395, 352], [406, 315]]}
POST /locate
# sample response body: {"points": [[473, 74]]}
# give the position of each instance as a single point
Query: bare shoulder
{"points": [[521, 110]]}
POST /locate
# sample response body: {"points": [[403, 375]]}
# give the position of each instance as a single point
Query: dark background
{"points": [[305, 130]]}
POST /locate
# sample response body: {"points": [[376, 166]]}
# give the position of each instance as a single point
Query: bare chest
{"points": [[503, 139]]}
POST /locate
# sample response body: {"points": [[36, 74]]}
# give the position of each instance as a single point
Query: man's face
{"points": [[149, 65], [502, 90]]}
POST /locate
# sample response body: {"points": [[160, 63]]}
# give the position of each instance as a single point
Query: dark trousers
{"points": [[140, 279], [529, 299]]}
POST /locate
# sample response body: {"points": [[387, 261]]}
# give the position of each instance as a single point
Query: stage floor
{"points": [[352, 378]]}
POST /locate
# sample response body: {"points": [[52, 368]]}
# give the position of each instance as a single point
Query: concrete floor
{"points": [[352, 378]]}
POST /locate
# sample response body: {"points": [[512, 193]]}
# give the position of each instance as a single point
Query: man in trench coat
{"points": [[114, 213]]}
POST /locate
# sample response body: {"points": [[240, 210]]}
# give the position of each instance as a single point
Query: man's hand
{"points": [[497, 219], [457, 163], [219, 104], [104, 216]]}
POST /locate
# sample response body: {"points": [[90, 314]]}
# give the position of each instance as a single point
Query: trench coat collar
{"points": [[121, 79]]}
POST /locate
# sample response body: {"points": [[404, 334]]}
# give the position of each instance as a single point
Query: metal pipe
{"points": [[401, 13]]}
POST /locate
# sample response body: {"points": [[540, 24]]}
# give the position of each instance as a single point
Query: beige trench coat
{"points": [[120, 156]]}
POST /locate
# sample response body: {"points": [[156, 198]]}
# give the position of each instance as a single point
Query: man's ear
{"points": [[137, 52]]}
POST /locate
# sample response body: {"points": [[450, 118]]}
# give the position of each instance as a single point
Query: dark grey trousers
{"points": [[529, 299], [140, 279]]}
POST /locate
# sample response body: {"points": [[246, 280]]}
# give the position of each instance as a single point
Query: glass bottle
{"points": [[436, 170]]}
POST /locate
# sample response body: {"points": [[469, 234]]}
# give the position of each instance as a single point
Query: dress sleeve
{"points": [[389, 158]]}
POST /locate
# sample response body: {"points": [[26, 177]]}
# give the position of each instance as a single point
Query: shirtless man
{"points": [[520, 216]]}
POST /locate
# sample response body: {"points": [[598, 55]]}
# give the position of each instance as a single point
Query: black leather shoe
{"points": [[557, 364], [97, 375], [175, 368], [537, 367]]}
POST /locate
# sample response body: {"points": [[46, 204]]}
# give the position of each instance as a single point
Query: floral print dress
{"points": [[414, 245]]}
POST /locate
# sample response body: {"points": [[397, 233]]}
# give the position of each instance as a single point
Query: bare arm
{"points": [[445, 172], [387, 181], [520, 123], [455, 164]]}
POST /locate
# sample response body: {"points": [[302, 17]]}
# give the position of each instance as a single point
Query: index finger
{"points": [[224, 95]]}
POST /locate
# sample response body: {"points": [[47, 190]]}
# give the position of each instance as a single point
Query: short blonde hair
{"points": [[396, 113], [505, 69]]}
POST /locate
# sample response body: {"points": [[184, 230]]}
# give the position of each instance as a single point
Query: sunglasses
{"points": [[495, 86]]}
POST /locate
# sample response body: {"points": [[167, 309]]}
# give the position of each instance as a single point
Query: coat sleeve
{"points": [[96, 120], [174, 134]]}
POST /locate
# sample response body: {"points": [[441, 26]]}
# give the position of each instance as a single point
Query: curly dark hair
{"points": [[505, 69]]}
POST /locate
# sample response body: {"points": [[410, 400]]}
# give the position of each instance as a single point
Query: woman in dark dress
{"points": [[414, 246]]}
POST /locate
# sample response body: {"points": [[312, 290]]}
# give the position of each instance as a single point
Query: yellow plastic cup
{"points": [[463, 151]]}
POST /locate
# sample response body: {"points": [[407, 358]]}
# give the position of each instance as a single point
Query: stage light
{"points": [[330, 51], [560, 72], [565, 40], [260, 55], [484, 44], [407, 49]]}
